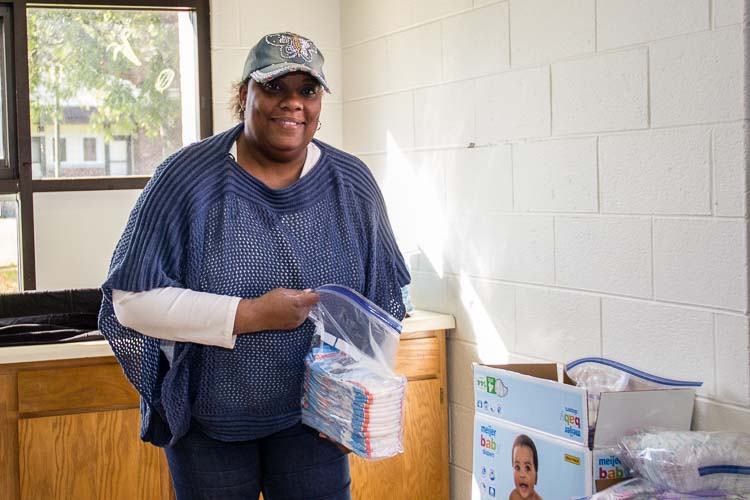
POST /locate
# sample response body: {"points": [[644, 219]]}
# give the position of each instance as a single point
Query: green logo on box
{"points": [[491, 385]]}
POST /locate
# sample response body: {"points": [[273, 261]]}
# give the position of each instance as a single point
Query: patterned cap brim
{"points": [[276, 70]]}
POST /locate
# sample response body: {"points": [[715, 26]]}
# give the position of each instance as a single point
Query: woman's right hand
{"points": [[279, 309]]}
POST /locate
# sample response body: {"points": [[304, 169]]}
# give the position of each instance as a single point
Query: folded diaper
{"points": [[354, 402]]}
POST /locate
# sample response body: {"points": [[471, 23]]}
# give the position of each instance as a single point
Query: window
{"points": [[89, 149], [62, 150], [38, 152], [111, 73], [8, 244], [7, 137], [108, 90]]}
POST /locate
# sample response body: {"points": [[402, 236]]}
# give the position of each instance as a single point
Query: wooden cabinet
{"points": [[69, 429], [422, 470]]}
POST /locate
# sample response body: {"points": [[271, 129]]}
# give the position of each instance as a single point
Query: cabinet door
{"points": [[425, 442], [421, 471], [95, 455]]}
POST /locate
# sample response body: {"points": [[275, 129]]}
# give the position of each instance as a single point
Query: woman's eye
{"points": [[309, 91], [271, 86]]}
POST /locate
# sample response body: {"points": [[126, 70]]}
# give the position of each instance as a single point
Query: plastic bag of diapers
{"points": [[690, 461], [350, 392], [640, 489], [598, 375]]}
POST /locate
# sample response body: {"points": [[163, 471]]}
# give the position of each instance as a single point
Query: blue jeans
{"points": [[291, 464]]}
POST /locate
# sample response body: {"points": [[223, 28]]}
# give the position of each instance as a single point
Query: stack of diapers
{"points": [[350, 392], [690, 462], [353, 402]]}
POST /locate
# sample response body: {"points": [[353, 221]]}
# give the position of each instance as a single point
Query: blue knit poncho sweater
{"points": [[204, 223]]}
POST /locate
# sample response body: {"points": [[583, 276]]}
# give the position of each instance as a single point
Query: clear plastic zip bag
{"points": [[598, 375], [640, 489], [690, 461], [350, 392]]}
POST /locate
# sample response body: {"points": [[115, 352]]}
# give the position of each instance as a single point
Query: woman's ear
{"points": [[243, 95]]}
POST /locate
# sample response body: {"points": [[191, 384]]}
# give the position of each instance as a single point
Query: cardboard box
{"points": [[541, 402]]}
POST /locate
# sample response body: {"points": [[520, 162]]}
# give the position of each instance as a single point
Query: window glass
{"points": [[119, 80], [63, 149], [89, 149], [5, 165], [38, 163], [8, 244]]}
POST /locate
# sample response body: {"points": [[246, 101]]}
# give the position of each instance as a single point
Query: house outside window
{"points": [[89, 149], [62, 149]]}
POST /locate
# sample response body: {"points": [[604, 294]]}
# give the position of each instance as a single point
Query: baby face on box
{"points": [[525, 467]]}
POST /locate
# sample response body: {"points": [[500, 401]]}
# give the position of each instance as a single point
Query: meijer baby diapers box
{"points": [[532, 436]]}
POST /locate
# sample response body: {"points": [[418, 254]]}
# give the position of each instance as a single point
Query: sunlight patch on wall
{"points": [[415, 205], [490, 346]]}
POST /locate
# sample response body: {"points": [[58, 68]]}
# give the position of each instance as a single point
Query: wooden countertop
{"points": [[417, 322]]}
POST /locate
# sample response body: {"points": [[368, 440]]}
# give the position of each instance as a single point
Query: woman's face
{"points": [[524, 473], [281, 116]]}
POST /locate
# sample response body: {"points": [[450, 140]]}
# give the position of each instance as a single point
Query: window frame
{"points": [[17, 179]]}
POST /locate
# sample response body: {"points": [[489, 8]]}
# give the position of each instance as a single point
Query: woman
{"points": [[210, 286]]}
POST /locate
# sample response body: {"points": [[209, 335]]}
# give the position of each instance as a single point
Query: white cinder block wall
{"points": [[237, 25], [568, 178]]}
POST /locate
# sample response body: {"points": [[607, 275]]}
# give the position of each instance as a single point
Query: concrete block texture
{"points": [[460, 372], [732, 359], [557, 325], [713, 416], [365, 19], [668, 341], [462, 435], [479, 179], [513, 105], [730, 186], [727, 12], [414, 57], [697, 79], [226, 69], [444, 115], [402, 60], [486, 311], [424, 10], [476, 43], [462, 484], [331, 130], [499, 246], [629, 22], [656, 172], [559, 175], [364, 66], [322, 24], [225, 23], [549, 30], [601, 93], [701, 262], [374, 124], [607, 254]]}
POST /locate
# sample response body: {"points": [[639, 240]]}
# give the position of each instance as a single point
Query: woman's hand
{"points": [[279, 309]]}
